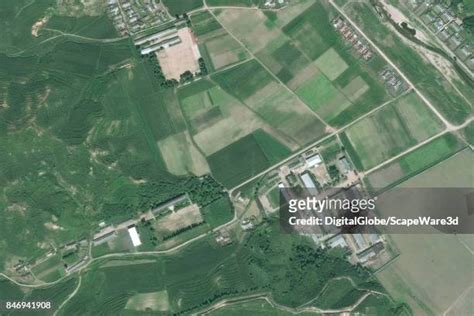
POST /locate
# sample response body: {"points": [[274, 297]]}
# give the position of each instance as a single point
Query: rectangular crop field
{"points": [[391, 130], [414, 162], [245, 158]]}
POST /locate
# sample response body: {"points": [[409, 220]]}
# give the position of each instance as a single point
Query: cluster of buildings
{"points": [[350, 35], [133, 16], [274, 4], [448, 27], [159, 40], [392, 80], [309, 175], [107, 233]]}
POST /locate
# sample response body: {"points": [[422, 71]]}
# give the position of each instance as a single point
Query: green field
{"points": [[468, 133], [390, 131], [218, 212], [243, 81], [338, 293], [437, 89], [414, 162], [323, 97], [430, 281], [271, 101], [204, 23], [182, 6], [205, 273], [303, 50], [244, 3], [228, 167]]}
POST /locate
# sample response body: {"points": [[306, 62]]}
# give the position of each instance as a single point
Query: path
{"points": [[381, 53]]}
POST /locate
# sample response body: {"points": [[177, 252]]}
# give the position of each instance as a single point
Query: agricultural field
{"points": [[437, 89], [389, 131], [468, 133], [182, 6], [243, 3], [278, 107], [217, 47], [430, 281], [309, 56], [414, 162], [260, 151], [338, 293], [181, 156]]}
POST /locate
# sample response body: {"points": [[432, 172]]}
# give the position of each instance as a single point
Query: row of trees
{"points": [[185, 77]]}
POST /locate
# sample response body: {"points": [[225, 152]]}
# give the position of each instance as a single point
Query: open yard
{"points": [[178, 219], [179, 58]]}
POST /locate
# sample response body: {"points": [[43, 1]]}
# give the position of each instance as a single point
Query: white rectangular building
{"points": [[132, 231]]}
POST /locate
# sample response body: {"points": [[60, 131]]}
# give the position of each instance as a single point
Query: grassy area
{"points": [[391, 130], [228, 167], [250, 76], [182, 6], [338, 293], [414, 162], [204, 23], [273, 150], [468, 133], [218, 212], [204, 273], [330, 149], [243, 3], [429, 281], [426, 77]]}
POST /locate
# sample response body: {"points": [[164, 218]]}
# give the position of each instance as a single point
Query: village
{"points": [[442, 21]]}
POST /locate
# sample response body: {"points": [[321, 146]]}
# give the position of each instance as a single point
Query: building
{"points": [[309, 183], [337, 241], [313, 161], [103, 236], [134, 236]]}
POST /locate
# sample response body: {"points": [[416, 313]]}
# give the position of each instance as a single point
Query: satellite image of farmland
{"points": [[237, 157]]}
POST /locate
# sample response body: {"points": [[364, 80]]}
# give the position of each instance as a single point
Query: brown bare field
{"points": [[181, 156], [179, 58], [433, 271], [179, 219]]}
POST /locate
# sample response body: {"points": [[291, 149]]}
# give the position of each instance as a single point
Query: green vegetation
{"points": [[55, 294], [288, 267], [218, 212], [254, 307], [178, 7], [244, 80], [243, 3], [228, 166], [203, 23], [391, 130], [414, 162], [468, 133], [339, 293], [426, 77], [330, 149], [273, 150], [381, 305], [260, 151]]}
